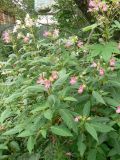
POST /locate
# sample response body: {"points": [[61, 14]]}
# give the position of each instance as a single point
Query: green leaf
{"points": [[111, 102], [48, 114], [33, 89], [86, 109], [70, 99], [92, 154], [68, 119], [91, 27], [62, 78], [13, 97], [91, 131], [98, 97], [40, 108], [81, 146], [30, 144], [61, 131], [14, 146], [102, 127], [3, 147], [13, 131], [43, 133], [4, 115], [26, 133]]}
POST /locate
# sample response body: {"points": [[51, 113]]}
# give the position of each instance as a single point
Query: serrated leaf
{"points": [[111, 102], [81, 146], [48, 114], [70, 99], [68, 119], [91, 131], [12, 131], [30, 144], [92, 154], [26, 133], [43, 133], [61, 131], [102, 127], [86, 109], [13, 97], [91, 27], [98, 97], [40, 108], [4, 115], [3, 147]]}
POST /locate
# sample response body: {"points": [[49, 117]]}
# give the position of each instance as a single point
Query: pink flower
{"points": [[26, 39], [40, 80], [73, 80], [92, 3], [68, 44], [81, 89], [104, 7], [47, 84], [6, 37], [112, 62], [54, 75], [47, 34], [94, 65], [118, 109], [101, 72], [76, 119], [80, 44]]}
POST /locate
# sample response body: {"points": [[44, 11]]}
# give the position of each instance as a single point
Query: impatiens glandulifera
{"points": [[101, 72], [73, 80], [81, 89], [112, 62], [118, 109], [6, 37]]}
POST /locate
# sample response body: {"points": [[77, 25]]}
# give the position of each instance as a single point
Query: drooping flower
{"points": [[47, 83], [68, 44], [101, 72], [112, 62], [81, 89], [54, 75], [118, 109], [6, 37], [47, 34], [41, 80], [94, 65], [80, 44], [104, 7], [73, 80], [26, 39]]}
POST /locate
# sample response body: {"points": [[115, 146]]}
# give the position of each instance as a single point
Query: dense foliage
{"points": [[59, 95]]}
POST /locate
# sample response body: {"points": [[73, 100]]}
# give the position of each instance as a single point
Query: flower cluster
{"points": [[6, 37], [96, 5], [73, 80], [101, 70], [54, 34], [48, 82], [73, 40]]}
